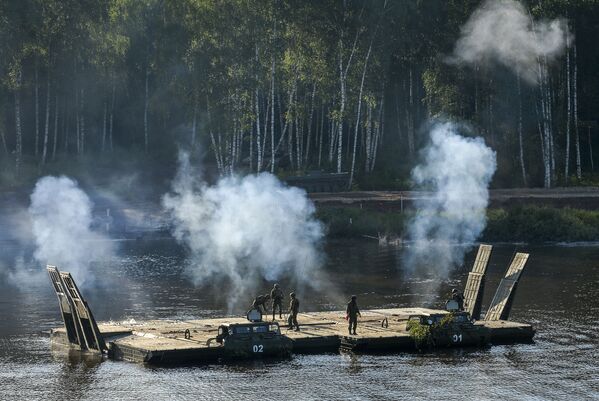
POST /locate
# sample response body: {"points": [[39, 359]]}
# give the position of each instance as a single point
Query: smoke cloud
{"points": [[503, 31], [61, 216], [245, 229], [457, 170]]}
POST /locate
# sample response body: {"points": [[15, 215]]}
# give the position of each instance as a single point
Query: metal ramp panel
{"points": [[69, 319], [501, 304], [473, 292], [79, 322]]}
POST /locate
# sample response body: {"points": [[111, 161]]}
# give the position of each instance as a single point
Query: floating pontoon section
{"points": [[501, 304], [475, 286], [80, 325]]}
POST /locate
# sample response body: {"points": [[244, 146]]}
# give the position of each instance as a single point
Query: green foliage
{"points": [[210, 64], [532, 224], [355, 222], [537, 224], [419, 332]]}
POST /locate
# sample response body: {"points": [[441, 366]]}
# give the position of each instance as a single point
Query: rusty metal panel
{"points": [[502, 301], [475, 285]]}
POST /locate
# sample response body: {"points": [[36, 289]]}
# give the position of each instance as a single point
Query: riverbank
{"points": [[531, 223]]}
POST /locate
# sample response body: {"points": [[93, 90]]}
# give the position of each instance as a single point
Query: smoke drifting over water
{"points": [[245, 229], [458, 171], [61, 217], [503, 31]]}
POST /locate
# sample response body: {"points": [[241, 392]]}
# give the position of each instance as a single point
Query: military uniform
{"points": [[277, 300], [459, 298], [260, 303], [352, 315], [293, 310]]}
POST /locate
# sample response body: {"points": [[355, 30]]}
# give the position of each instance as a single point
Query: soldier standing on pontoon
{"points": [[352, 315], [293, 310], [277, 300]]}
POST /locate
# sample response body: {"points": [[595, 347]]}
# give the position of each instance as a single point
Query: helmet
{"points": [[292, 295], [353, 297], [454, 291], [276, 286]]}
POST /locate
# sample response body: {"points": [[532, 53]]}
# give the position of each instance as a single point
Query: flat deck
{"points": [[163, 341]]}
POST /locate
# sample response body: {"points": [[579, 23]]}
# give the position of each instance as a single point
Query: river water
{"points": [[558, 294]]}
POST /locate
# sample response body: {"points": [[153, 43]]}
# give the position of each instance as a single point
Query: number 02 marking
{"points": [[258, 348], [457, 338]]}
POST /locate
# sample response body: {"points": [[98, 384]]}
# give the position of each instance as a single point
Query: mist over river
{"points": [[558, 294]]}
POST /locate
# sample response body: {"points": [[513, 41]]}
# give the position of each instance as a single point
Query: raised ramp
{"points": [[475, 286], [80, 325], [73, 330], [501, 304]]}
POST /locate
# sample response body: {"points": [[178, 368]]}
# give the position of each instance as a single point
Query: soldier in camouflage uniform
{"points": [[260, 303], [293, 310], [459, 298], [277, 300], [352, 314]]}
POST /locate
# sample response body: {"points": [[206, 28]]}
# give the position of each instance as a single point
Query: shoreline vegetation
{"points": [[529, 224]]}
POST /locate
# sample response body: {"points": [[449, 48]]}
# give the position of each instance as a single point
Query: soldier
{"points": [[352, 314], [260, 303], [459, 298], [277, 300], [293, 310]]}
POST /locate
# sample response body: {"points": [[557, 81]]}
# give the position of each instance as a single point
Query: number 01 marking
{"points": [[258, 348], [457, 338]]}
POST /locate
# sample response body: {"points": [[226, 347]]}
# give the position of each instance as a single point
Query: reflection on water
{"points": [[558, 294]]}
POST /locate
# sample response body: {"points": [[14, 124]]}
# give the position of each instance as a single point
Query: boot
{"points": [[355, 334]]}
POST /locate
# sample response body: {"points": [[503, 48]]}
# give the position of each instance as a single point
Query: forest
{"points": [[286, 87]]}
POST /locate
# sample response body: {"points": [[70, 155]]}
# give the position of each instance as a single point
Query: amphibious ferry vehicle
{"points": [[381, 330]]}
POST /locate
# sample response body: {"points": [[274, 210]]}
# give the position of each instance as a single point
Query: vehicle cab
{"points": [[254, 339]]}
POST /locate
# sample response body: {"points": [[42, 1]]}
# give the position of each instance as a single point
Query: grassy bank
{"points": [[532, 224]]}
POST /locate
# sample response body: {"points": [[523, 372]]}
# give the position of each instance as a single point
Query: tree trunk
{"points": [[272, 113], [321, 135], [77, 122], [378, 131], [310, 121], [298, 134], [110, 124], [194, 125], [520, 142], [569, 113], [341, 113], [575, 88], [357, 128], [104, 118], [591, 150], [258, 128], [55, 139], [146, 103], [368, 139], [37, 110], [65, 126], [82, 123], [410, 116], [47, 122], [18, 133]]}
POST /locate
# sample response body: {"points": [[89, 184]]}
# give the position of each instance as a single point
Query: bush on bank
{"points": [[532, 224]]}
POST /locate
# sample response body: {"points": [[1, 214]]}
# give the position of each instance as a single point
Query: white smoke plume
{"points": [[245, 229], [503, 31], [61, 217], [457, 170]]}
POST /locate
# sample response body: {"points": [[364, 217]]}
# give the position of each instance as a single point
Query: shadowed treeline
{"points": [[288, 87]]}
